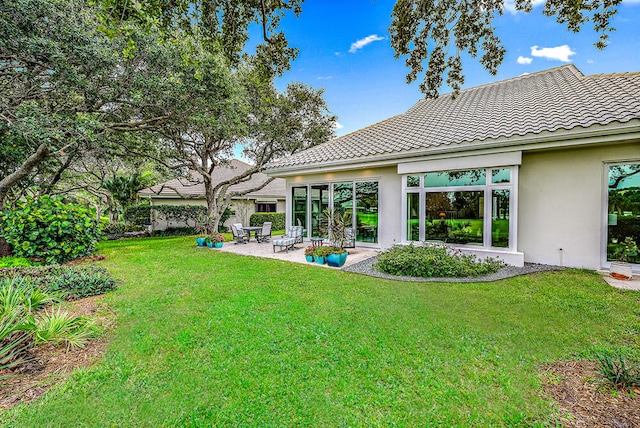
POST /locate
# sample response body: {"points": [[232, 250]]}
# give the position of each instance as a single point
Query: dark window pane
{"points": [[413, 216], [367, 211], [500, 218], [413, 181], [473, 177], [623, 215], [299, 207], [455, 217]]}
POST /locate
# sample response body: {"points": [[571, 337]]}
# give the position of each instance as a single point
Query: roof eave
{"points": [[564, 138]]}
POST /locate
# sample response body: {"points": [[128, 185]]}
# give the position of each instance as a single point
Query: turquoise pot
{"points": [[218, 244], [337, 260], [200, 242], [319, 260], [210, 244], [309, 259]]}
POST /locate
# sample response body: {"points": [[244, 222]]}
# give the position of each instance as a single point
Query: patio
{"points": [[265, 249]]}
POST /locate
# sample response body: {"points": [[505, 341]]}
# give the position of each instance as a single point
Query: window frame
{"points": [[488, 187]]}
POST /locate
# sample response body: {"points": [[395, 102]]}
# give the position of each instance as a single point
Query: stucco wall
{"points": [[389, 202], [562, 194]]}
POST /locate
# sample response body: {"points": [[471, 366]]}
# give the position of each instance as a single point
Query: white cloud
{"points": [[338, 125], [510, 5], [524, 60], [559, 53], [590, 61], [324, 77], [359, 44]]}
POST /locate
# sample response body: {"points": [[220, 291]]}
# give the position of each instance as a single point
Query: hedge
{"points": [[277, 220], [139, 214]]}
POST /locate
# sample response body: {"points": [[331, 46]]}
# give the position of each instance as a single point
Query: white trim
{"points": [[462, 162]]}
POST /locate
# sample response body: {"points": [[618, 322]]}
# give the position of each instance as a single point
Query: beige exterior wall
{"points": [[389, 202], [562, 198]]}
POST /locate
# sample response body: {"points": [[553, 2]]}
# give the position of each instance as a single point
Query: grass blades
{"points": [[208, 338]]}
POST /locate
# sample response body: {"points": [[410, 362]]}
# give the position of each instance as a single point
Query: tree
{"points": [[438, 32], [232, 107]]}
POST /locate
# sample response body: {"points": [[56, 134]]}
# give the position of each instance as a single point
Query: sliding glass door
{"points": [[623, 213]]}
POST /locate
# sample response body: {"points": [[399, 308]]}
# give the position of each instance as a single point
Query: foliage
{"points": [[245, 328], [187, 214], [21, 295], [322, 251], [278, 220], [78, 281], [118, 230], [432, 260], [214, 237], [617, 370], [626, 249], [309, 251], [438, 33], [137, 214], [11, 261], [47, 228], [175, 231], [335, 227], [59, 327]]}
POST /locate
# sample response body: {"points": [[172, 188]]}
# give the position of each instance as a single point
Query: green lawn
{"points": [[207, 338]]}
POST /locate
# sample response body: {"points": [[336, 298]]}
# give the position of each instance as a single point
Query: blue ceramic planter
{"points": [[200, 242], [218, 244], [337, 260], [210, 244], [309, 258], [319, 260]]}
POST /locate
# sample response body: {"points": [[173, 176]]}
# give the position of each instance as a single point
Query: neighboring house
{"points": [[182, 191], [541, 168]]}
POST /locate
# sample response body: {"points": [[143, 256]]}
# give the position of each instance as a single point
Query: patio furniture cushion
{"points": [[265, 233], [238, 233], [287, 243]]}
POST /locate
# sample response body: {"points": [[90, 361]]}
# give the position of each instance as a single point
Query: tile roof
{"points": [[194, 188], [550, 100]]}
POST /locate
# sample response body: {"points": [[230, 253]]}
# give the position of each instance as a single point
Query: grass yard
{"points": [[207, 338]]}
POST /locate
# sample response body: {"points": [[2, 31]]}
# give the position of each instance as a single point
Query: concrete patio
{"points": [[265, 249]]}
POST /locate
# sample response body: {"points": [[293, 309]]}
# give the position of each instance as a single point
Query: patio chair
{"points": [[238, 233], [265, 233], [289, 240]]}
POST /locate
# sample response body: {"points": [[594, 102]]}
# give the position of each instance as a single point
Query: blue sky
{"points": [[345, 49]]}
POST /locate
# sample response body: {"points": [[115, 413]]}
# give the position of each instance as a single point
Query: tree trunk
{"points": [[25, 169]]}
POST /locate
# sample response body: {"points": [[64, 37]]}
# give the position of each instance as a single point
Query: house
{"points": [[183, 191], [540, 168]]}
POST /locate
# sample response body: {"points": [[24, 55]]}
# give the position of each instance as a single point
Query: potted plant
{"points": [[308, 253], [337, 257], [320, 254], [216, 240], [202, 226], [336, 229], [621, 269]]}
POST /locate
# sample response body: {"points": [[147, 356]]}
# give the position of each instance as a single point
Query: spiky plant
{"points": [[58, 327]]}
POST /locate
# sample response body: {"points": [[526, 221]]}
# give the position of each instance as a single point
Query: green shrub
{"points": [[138, 214], [434, 261], [323, 251], [617, 370], [78, 281], [50, 230], [175, 231], [11, 261], [58, 327], [277, 220]]}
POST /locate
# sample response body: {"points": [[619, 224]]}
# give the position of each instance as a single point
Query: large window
{"points": [[469, 207], [358, 198], [623, 215]]}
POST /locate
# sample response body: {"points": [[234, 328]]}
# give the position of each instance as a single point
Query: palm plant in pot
{"points": [[203, 227], [336, 229], [622, 269]]}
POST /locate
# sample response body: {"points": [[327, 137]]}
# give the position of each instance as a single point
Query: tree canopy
{"points": [[433, 34]]}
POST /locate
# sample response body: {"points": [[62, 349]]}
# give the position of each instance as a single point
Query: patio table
{"points": [[249, 229]]}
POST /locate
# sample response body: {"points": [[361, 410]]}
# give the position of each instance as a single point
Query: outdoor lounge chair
{"points": [[265, 233], [289, 240], [238, 233]]}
